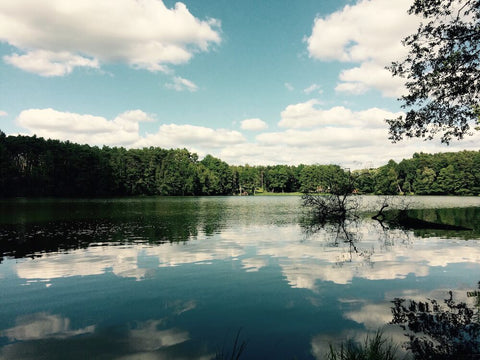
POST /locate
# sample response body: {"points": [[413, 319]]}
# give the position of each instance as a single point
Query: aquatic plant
{"points": [[440, 330], [373, 348], [237, 349]]}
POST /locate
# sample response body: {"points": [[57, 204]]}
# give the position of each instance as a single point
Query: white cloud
{"points": [[368, 30], [48, 63], [336, 135], [84, 128], [369, 75], [255, 154], [253, 124], [3, 113], [55, 36], [369, 33], [178, 136], [289, 86], [307, 115], [354, 87], [350, 147], [327, 137], [181, 84], [133, 116], [312, 88], [123, 130]]}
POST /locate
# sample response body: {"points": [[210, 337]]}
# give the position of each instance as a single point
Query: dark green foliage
{"points": [[435, 330], [338, 205], [177, 174], [318, 178], [442, 70], [424, 174], [31, 166], [278, 178], [387, 179], [364, 181], [217, 177], [34, 167]]}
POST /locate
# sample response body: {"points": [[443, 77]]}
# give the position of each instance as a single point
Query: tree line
{"points": [[454, 173], [32, 166]]}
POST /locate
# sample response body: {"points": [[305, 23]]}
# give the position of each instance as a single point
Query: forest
{"points": [[34, 167]]}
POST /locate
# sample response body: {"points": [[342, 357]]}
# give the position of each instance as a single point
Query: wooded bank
{"points": [[31, 166]]}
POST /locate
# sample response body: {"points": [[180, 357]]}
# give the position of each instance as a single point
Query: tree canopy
{"points": [[31, 166], [442, 72]]}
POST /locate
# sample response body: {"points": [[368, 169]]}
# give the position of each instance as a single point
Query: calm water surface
{"points": [[177, 278]]}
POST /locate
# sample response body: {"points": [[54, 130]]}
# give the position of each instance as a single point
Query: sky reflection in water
{"points": [[125, 290]]}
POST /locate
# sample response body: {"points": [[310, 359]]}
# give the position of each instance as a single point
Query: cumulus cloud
{"points": [[3, 113], [369, 75], [84, 128], [308, 115], [337, 135], [123, 130], [173, 136], [253, 124], [355, 87], [48, 63], [363, 31], [370, 33], [310, 134], [55, 37], [328, 136]]}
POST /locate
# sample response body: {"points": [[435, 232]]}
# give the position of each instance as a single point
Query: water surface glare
{"points": [[177, 278]]}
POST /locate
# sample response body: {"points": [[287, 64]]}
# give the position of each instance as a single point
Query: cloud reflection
{"points": [[143, 340], [320, 344], [43, 326], [303, 261], [147, 336]]}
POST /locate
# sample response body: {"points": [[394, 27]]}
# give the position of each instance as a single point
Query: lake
{"points": [[180, 278]]}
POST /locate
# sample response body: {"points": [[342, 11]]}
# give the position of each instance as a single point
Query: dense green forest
{"points": [[31, 166]]}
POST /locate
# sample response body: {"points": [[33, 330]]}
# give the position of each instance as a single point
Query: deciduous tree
{"points": [[442, 72]]}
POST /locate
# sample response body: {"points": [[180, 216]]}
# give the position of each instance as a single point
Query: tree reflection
{"points": [[33, 240], [441, 222], [345, 231], [339, 216], [440, 330], [80, 225]]}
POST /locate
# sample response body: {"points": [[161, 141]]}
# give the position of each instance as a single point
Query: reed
{"points": [[373, 348]]}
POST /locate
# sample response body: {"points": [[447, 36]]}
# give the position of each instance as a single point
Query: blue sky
{"points": [[258, 82]]}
